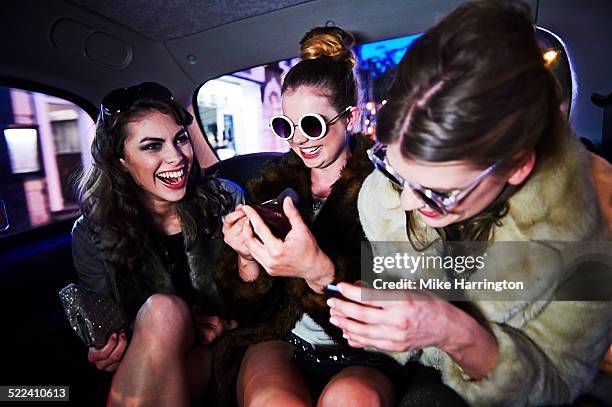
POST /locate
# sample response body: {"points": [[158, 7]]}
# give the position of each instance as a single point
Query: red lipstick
{"points": [[178, 185], [429, 214], [312, 155]]}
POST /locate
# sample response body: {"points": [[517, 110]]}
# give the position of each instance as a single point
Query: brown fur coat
{"points": [[268, 308]]}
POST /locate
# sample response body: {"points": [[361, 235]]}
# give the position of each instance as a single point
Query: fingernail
{"points": [[331, 302], [114, 335], [345, 336], [333, 321]]}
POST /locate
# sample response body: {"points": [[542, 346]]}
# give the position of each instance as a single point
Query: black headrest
{"points": [[242, 168]]}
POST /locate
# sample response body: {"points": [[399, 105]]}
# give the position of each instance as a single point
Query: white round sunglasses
{"points": [[313, 125]]}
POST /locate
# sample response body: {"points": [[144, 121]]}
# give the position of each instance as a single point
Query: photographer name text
{"points": [[438, 284]]}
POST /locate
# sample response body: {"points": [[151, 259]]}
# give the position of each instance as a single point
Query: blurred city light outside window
{"points": [[22, 144], [44, 145], [235, 109]]}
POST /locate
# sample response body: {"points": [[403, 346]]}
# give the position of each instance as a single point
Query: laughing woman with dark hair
{"points": [[149, 238], [473, 147]]}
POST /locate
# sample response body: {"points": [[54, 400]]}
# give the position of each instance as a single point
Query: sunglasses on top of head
{"points": [[313, 125], [122, 99], [441, 202]]}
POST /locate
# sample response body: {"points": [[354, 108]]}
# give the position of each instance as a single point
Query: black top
{"points": [[188, 273], [177, 265]]}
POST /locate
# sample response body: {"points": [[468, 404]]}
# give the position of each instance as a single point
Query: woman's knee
{"points": [[270, 396], [164, 315], [358, 386], [272, 351], [268, 377], [265, 358]]}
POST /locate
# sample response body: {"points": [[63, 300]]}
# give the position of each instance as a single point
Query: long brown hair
{"points": [[109, 198], [475, 88]]}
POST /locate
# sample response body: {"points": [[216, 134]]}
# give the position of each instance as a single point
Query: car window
{"points": [[235, 109], [557, 59], [44, 145]]}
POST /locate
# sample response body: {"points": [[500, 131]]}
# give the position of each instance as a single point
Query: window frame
{"points": [[42, 231]]}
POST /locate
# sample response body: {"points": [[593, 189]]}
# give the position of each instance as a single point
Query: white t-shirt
{"points": [[306, 328]]}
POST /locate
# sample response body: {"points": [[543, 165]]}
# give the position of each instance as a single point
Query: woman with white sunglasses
{"points": [[473, 148], [295, 356]]}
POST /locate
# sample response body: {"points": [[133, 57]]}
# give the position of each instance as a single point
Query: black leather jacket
{"points": [[100, 276]]}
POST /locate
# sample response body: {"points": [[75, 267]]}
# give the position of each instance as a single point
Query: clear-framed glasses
{"points": [[441, 202], [313, 125]]}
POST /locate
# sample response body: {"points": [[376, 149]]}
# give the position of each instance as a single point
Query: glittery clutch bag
{"points": [[93, 317]]}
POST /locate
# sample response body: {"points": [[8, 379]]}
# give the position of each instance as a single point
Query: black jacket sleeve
{"points": [[91, 272]]}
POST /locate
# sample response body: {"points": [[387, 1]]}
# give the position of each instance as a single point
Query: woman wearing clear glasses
{"points": [[296, 356], [149, 237], [473, 147]]}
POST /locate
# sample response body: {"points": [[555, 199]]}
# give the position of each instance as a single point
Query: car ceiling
{"points": [[86, 47], [168, 20]]}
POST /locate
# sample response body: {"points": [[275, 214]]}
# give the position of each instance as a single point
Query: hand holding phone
{"points": [[271, 212]]}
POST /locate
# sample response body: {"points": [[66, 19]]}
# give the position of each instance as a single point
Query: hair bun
{"points": [[332, 42]]}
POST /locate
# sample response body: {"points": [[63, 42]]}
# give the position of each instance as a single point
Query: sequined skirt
{"points": [[325, 362]]}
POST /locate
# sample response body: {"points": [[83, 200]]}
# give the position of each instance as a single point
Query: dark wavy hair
{"points": [[110, 199], [475, 88]]}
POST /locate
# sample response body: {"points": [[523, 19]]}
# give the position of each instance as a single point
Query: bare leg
{"points": [[161, 362], [268, 377], [358, 386], [199, 362]]}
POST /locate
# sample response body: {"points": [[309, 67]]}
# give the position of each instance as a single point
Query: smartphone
{"points": [[271, 212], [333, 291]]}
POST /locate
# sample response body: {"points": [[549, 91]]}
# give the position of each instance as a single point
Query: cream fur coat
{"points": [[549, 351]]}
